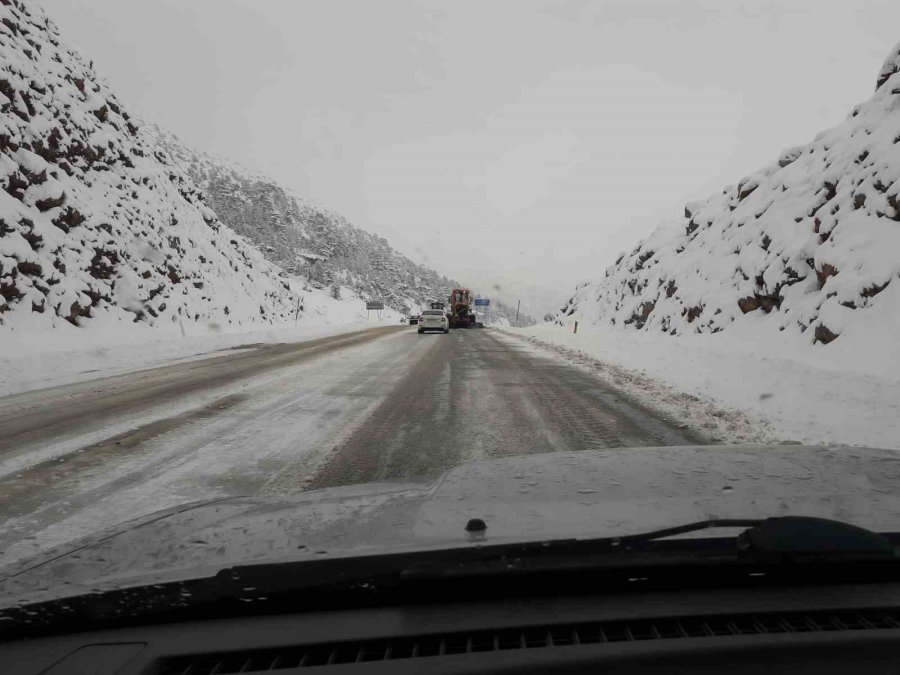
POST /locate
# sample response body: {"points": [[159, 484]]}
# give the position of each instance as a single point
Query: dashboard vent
{"points": [[564, 635]]}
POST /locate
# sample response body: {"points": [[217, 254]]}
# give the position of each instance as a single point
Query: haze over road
{"points": [[373, 405]]}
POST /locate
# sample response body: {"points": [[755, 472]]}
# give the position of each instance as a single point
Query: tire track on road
{"points": [[37, 417], [475, 396]]}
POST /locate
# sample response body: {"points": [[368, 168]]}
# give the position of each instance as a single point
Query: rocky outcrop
{"points": [[96, 221], [808, 244], [305, 239], [310, 241]]}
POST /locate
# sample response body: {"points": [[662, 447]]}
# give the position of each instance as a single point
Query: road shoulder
{"points": [[693, 414]]}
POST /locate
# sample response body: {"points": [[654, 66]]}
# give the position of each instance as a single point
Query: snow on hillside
{"points": [[806, 248], [305, 239], [98, 227], [310, 241]]}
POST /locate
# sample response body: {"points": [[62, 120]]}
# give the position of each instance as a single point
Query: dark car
{"points": [[413, 319]]}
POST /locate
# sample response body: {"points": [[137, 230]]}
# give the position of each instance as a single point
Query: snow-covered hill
{"points": [[305, 239], [312, 242], [98, 226], [809, 245]]}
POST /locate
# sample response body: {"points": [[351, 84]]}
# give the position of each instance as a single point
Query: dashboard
{"points": [[830, 629]]}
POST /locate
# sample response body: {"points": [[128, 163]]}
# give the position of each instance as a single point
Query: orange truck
{"points": [[461, 308]]}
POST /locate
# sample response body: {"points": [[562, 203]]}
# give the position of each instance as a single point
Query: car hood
{"points": [[599, 493]]}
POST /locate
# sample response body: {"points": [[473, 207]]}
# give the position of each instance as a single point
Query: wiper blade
{"points": [[786, 537], [768, 548], [712, 524], [772, 539], [778, 540]]}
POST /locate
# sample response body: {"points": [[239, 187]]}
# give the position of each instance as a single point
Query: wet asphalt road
{"points": [[35, 417], [478, 394], [373, 405]]}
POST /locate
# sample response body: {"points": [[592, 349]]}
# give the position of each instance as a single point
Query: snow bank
{"points": [[801, 394], [805, 249], [37, 360], [99, 228]]}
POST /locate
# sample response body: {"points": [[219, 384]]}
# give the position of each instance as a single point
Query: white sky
{"points": [[519, 142]]}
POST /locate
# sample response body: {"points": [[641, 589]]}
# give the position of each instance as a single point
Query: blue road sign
{"points": [[482, 302]]}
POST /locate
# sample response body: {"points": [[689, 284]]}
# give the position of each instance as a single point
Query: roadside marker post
{"points": [[576, 327]]}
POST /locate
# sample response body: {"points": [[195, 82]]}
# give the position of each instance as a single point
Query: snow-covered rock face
{"points": [[305, 239], [891, 65], [809, 245], [97, 224], [311, 241]]}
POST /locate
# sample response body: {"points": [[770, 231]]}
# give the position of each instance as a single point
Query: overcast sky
{"points": [[519, 142]]}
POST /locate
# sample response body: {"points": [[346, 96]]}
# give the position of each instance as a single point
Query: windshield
{"points": [[663, 258]]}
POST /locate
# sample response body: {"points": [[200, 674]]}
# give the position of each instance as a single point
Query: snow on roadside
{"points": [[734, 391], [50, 358]]}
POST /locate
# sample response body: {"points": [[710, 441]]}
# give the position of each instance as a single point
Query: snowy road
{"points": [[277, 419]]}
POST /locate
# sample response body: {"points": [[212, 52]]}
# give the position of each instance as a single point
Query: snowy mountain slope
{"points": [[97, 225], [305, 239], [808, 245]]}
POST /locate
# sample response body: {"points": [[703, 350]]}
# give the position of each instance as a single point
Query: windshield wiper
{"points": [[780, 540], [789, 550], [712, 524], [786, 536]]}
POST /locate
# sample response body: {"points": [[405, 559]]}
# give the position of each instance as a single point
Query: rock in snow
{"points": [[809, 245]]}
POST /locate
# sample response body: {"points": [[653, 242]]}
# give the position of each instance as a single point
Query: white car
{"points": [[433, 319]]}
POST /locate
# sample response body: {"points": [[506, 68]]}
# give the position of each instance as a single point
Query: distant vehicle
{"points": [[437, 305], [462, 308], [413, 319], [434, 319]]}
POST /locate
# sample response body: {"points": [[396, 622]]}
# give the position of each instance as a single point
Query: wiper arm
{"points": [[762, 540], [821, 547], [778, 540], [715, 523]]}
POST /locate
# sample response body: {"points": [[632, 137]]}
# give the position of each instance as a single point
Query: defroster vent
{"points": [[542, 637]]}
